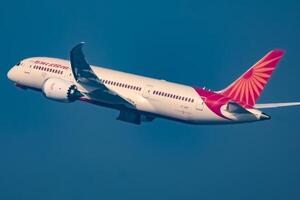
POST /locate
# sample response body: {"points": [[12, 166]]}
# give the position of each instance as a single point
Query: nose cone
{"points": [[11, 74]]}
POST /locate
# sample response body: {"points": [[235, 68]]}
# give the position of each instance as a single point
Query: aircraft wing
{"points": [[276, 105], [85, 76], [82, 71]]}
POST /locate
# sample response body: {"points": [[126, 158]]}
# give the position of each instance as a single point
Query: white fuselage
{"points": [[155, 97]]}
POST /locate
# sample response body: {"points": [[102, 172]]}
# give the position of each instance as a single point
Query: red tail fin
{"points": [[247, 89]]}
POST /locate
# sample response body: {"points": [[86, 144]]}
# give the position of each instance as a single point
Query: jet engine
{"points": [[60, 90]]}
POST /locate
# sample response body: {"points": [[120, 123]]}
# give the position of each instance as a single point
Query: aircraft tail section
{"points": [[247, 88]]}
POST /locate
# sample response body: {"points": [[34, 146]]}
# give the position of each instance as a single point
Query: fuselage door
{"points": [[27, 68], [147, 91], [200, 103]]}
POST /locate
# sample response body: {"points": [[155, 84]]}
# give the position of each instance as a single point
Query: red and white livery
{"points": [[142, 99]]}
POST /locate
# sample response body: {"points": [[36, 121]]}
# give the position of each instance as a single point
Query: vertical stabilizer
{"points": [[247, 88]]}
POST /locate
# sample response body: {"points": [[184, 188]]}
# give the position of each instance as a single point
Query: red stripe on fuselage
{"points": [[213, 101]]}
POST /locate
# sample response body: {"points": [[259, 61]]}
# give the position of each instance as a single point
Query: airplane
{"points": [[141, 99]]}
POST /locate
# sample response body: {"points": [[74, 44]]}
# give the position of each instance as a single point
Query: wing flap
{"points": [[109, 96]]}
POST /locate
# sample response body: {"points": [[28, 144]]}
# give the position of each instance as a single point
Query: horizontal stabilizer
{"points": [[233, 107], [276, 105]]}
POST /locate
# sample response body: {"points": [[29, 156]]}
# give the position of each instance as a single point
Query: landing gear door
{"points": [[200, 103]]}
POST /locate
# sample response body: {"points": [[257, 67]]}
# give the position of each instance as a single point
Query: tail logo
{"points": [[249, 86]]}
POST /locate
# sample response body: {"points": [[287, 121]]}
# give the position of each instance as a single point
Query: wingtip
{"points": [[80, 44]]}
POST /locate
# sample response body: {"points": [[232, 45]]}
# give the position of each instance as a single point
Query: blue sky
{"points": [[51, 150]]}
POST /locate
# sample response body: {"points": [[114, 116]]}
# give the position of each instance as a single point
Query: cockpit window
{"points": [[18, 64]]}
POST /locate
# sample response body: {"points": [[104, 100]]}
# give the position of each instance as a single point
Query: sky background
{"points": [[51, 150]]}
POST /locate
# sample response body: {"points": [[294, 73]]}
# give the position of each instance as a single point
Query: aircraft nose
{"points": [[11, 74]]}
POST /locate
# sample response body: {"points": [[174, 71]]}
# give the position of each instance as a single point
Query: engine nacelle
{"points": [[60, 90]]}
